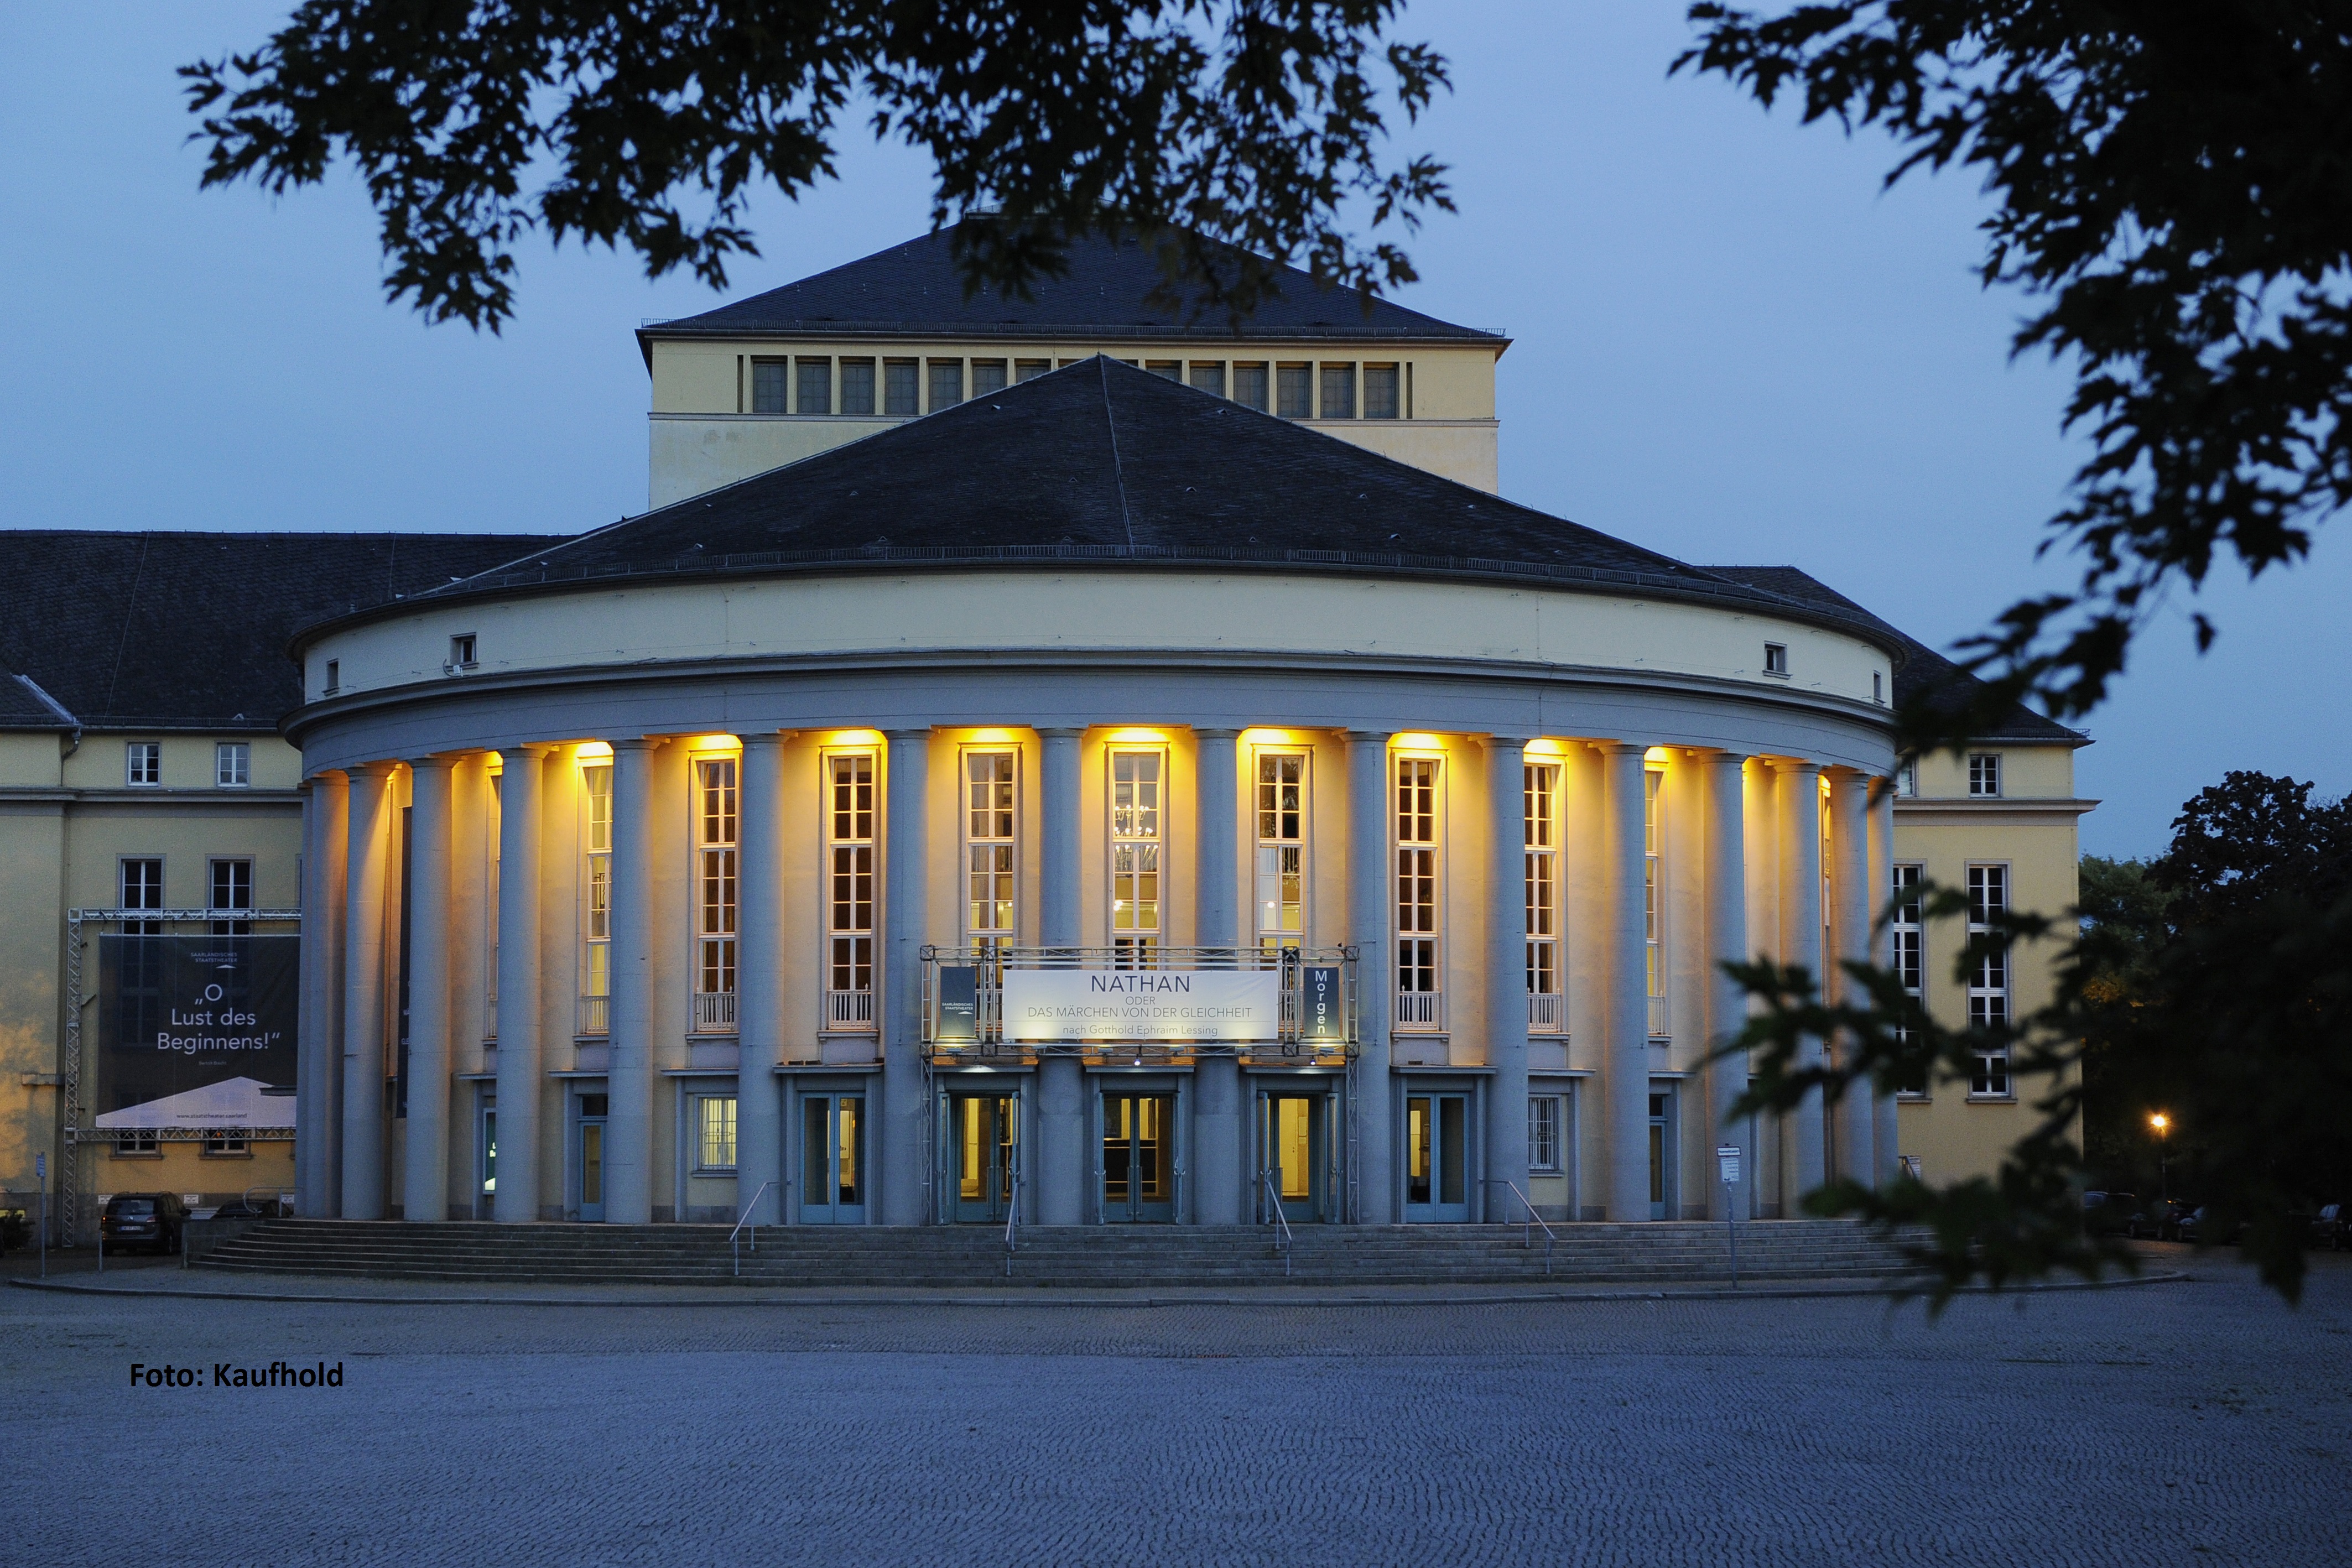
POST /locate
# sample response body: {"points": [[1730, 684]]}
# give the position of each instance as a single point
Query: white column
{"points": [[1886, 1145], [1371, 898], [425, 1181], [629, 1067], [364, 991], [1727, 942], [1060, 1171], [905, 914], [521, 786], [1218, 1184], [1507, 973], [1850, 887], [318, 1130], [1625, 1067], [759, 922], [1800, 895]]}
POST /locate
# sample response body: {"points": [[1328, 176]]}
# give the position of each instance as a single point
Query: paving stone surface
{"points": [[2196, 1423]]}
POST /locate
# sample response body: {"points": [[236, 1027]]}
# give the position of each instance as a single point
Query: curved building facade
{"points": [[1095, 799]]}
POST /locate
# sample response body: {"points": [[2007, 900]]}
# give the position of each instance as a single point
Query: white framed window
{"points": [[1419, 977], [1381, 399], [142, 763], [461, 652], [771, 386], [334, 682], [714, 1134], [1250, 386], [1776, 658], [849, 891], [1906, 779], [1547, 1147], [1546, 1003], [1209, 376], [1878, 687], [1984, 772], [1294, 391], [595, 898], [138, 1146], [1281, 868], [1654, 933], [987, 376], [231, 1141], [992, 851], [1339, 392], [233, 764], [1988, 979], [1907, 936], [1136, 818], [229, 887], [141, 882], [856, 387], [714, 892]]}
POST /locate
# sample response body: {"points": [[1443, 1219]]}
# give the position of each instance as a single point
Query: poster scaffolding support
{"points": [[69, 1164]]}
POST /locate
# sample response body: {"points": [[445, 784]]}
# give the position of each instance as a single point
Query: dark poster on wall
{"points": [[196, 1031]]}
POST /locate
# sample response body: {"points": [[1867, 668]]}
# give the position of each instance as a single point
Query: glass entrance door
{"points": [[833, 1159], [984, 1155], [1662, 1157], [1293, 1149], [1437, 1151], [591, 1168], [486, 1160], [1139, 1158]]}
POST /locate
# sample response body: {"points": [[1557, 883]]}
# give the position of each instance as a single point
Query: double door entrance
{"points": [[833, 1159], [1139, 1152], [983, 1156], [1297, 1158], [1437, 1158]]}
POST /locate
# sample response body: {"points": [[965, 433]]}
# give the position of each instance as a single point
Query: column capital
{"points": [[1801, 765], [541, 749], [430, 759], [370, 770], [1620, 748], [895, 736], [1199, 734], [1369, 736], [1719, 756], [1062, 732], [766, 737], [633, 743], [1520, 741]]}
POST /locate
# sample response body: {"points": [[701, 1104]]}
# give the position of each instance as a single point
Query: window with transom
{"points": [[849, 890], [1416, 891], [715, 869], [1281, 850], [1989, 978], [1653, 894], [1540, 790], [990, 853], [1135, 848], [596, 898], [231, 888], [1908, 940]]}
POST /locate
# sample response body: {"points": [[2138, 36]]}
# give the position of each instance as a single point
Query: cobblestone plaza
{"points": [[2196, 1422]]}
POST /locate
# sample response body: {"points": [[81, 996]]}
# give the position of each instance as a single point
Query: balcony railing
{"points": [[714, 1012], [849, 1009], [595, 1015], [1657, 1015], [1546, 1011], [1420, 1010]]}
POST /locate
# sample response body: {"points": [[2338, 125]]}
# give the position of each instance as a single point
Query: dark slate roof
{"points": [[1104, 462], [1924, 674], [167, 630], [916, 289], [24, 705]]}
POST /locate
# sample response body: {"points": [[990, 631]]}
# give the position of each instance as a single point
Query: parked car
{"points": [[2109, 1213], [2331, 1227], [2159, 1219], [2201, 1227], [16, 1230], [148, 1219], [247, 1209]]}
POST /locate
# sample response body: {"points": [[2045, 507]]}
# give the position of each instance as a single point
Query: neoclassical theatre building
{"points": [[1098, 796]]}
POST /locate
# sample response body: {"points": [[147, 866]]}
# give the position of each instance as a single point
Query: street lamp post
{"points": [[2163, 1124]]}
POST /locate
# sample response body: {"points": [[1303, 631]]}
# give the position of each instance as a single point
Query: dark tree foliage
{"points": [[2174, 183], [2123, 929], [1227, 130], [2229, 1003]]}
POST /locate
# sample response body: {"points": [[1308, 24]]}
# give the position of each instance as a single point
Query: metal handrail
{"points": [[735, 1256], [1282, 1237], [1012, 1224], [1534, 1219]]}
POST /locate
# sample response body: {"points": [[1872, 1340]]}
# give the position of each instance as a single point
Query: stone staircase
{"points": [[1077, 1256]]}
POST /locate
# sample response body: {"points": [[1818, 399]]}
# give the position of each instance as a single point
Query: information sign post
{"points": [[41, 1175], [1727, 1159]]}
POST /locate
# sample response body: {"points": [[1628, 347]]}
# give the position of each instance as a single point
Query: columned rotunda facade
{"points": [[1097, 800]]}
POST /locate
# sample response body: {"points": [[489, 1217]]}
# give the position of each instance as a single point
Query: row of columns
{"points": [[361, 813]]}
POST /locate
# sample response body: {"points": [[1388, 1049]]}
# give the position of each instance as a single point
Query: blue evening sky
{"points": [[1730, 346]]}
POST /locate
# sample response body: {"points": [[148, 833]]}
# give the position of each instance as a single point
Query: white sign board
{"points": [[1044, 1005], [1727, 1156]]}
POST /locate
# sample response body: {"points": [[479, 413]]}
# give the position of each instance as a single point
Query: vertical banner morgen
{"points": [[195, 1033]]}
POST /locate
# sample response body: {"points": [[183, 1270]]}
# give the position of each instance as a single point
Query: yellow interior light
{"points": [[1657, 753], [1139, 735], [990, 735], [1414, 741], [595, 750], [715, 743], [854, 737], [1260, 734], [1547, 748]]}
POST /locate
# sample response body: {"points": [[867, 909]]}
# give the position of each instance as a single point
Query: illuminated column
{"points": [[628, 1081], [1507, 973], [1801, 944], [318, 1116], [1886, 1144], [1061, 1168], [905, 913], [1218, 1195], [1725, 882], [759, 1125], [1370, 894], [1625, 1061], [1850, 921], [369, 841], [521, 790], [425, 1181]]}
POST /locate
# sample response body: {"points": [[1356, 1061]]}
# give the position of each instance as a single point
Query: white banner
{"points": [[1126, 1004]]}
